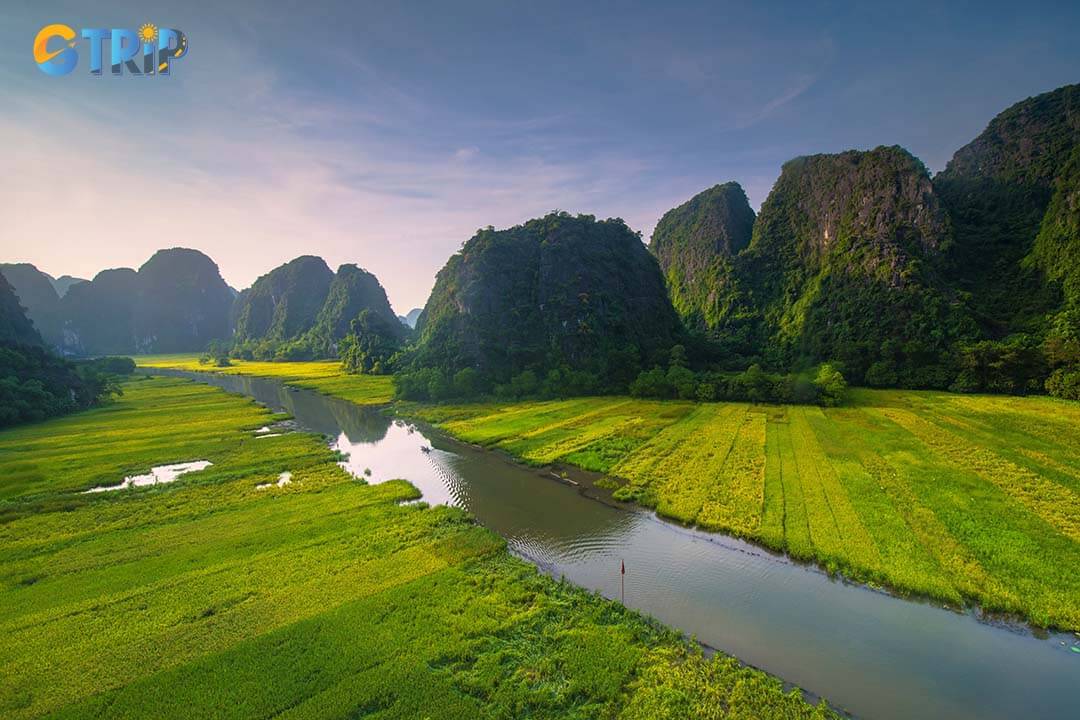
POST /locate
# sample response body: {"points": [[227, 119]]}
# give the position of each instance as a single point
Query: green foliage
{"points": [[562, 293], [217, 354], [35, 384], [1016, 365], [282, 304], [37, 296], [752, 385], [694, 243], [303, 311], [837, 235], [831, 385], [1064, 383], [110, 365], [15, 327], [1009, 194], [371, 344], [352, 292]]}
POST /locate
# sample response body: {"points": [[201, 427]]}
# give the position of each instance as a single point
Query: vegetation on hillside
{"points": [[303, 311], [694, 244], [280, 306], [211, 596], [963, 499], [176, 301], [843, 266], [36, 384], [966, 282], [561, 297], [38, 297]]}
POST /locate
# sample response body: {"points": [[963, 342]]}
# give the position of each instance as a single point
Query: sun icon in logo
{"points": [[148, 33]]}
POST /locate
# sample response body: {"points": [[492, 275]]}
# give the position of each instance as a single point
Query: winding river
{"points": [[871, 654]]}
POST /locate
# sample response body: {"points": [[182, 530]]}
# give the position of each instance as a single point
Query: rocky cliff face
{"points": [[183, 302], [844, 263], [36, 294], [15, 327], [694, 244], [410, 318], [284, 303], [63, 283], [558, 290], [999, 189], [99, 316], [302, 309], [175, 302], [352, 291]]}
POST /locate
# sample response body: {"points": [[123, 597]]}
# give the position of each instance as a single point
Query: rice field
{"points": [[325, 376], [965, 499], [324, 598]]}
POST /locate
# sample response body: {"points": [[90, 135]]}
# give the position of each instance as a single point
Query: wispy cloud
{"points": [[770, 108]]}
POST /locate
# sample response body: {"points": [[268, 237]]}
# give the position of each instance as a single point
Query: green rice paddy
{"points": [[323, 376], [966, 499], [209, 597]]}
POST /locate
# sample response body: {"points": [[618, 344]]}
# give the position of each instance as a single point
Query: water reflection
{"points": [[874, 655]]}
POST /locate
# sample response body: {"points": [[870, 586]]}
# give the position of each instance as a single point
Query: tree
{"points": [[831, 385], [370, 345]]}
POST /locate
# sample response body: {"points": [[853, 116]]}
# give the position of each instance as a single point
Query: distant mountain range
{"points": [[411, 317], [969, 279], [302, 309], [178, 302]]}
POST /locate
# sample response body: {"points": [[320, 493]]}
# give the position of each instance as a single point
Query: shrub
{"points": [[831, 385], [466, 382], [1064, 383], [882, 374]]}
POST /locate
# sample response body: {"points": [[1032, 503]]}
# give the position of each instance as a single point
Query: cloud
{"points": [[255, 194], [466, 153], [797, 88]]}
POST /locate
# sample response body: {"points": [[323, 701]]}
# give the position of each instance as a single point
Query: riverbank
{"points": [[967, 500], [324, 376], [228, 593]]}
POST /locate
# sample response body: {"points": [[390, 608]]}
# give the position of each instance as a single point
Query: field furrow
{"points": [[734, 503], [1057, 505]]}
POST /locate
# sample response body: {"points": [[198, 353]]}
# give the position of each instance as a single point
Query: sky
{"points": [[385, 134]]}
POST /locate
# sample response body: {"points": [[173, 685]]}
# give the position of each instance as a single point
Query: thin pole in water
{"points": [[622, 582]]}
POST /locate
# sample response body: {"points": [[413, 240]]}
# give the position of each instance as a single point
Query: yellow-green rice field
{"points": [[323, 376], [210, 597], [960, 498]]}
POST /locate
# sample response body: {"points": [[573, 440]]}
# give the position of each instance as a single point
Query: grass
{"points": [[965, 499], [325, 598], [325, 376]]}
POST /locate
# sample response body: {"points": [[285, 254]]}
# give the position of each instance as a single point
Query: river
{"points": [[869, 653]]}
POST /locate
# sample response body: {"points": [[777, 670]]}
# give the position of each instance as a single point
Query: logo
{"points": [[148, 51]]}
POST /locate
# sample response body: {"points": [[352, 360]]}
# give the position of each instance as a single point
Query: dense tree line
{"points": [[35, 384]]}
